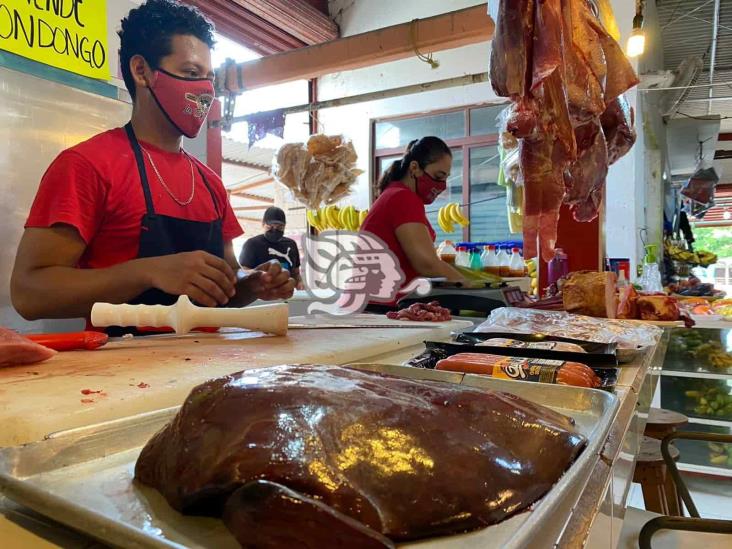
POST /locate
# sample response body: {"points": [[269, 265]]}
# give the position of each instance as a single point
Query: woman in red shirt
{"points": [[398, 216]]}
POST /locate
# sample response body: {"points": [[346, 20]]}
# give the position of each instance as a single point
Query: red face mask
{"points": [[429, 188], [184, 101]]}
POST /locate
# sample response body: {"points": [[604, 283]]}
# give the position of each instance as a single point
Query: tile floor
{"points": [[712, 497]]}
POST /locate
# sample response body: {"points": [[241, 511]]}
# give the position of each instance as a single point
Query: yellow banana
{"points": [[458, 215], [343, 218], [328, 215], [441, 219], [362, 217], [446, 225], [353, 217], [333, 216], [310, 214]]}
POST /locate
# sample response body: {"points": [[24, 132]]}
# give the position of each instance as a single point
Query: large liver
{"points": [[407, 458]]}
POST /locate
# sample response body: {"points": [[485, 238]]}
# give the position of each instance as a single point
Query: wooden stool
{"points": [[663, 422], [659, 491]]}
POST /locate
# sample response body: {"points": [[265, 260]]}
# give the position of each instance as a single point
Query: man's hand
{"points": [[206, 279], [268, 282]]}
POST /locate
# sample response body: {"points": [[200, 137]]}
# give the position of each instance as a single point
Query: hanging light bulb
{"points": [[637, 39]]}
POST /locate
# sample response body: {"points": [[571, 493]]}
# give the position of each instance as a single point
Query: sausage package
{"points": [[522, 369], [504, 362]]}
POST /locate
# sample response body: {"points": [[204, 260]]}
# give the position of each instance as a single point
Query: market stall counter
{"points": [[148, 374]]}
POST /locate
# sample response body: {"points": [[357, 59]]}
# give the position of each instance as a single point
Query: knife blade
{"points": [[351, 326]]}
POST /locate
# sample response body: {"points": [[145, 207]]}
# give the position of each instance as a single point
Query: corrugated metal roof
{"points": [[687, 27], [242, 153]]}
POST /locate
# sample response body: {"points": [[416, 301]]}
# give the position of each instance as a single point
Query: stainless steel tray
{"points": [[83, 477]]}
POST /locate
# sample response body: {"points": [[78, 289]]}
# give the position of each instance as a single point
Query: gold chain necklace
{"points": [[165, 186]]}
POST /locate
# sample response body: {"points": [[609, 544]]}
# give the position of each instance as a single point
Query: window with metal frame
{"points": [[472, 135]]}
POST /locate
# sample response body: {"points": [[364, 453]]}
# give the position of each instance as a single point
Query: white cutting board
{"points": [[145, 374]]}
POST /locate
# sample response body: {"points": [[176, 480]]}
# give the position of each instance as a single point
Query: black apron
{"points": [[164, 235]]}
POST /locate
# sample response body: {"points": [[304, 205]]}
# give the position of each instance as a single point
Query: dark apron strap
{"points": [[219, 213], [140, 168]]}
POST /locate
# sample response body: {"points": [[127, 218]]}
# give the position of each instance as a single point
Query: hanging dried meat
{"points": [[321, 171], [565, 75]]}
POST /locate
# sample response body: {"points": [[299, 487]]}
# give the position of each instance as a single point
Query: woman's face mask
{"points": [[429, 188]]}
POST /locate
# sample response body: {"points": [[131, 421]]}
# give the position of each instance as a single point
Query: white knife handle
{"points": [[154, 316]]}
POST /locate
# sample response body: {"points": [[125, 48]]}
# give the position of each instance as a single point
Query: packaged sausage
{"points": [[540, 345], [522, 369]]}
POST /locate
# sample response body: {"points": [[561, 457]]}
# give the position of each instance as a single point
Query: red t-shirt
{"points": [[396, 206], [95, 187]]}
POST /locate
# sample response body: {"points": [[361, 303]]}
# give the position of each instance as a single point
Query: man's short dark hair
{"points": [[149, 29]]}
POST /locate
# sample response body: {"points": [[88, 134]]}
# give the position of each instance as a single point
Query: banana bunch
{"points": [[534, 275], [333, 217], [449, 215], [700, 257]]}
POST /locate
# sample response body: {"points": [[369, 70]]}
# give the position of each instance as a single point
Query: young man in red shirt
{"points": [[128, 216]]}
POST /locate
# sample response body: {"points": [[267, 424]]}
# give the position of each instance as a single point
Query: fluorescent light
{"points": [[636, 43]]}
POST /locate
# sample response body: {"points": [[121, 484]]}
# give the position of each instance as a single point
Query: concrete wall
{"points": [[633, 188]]}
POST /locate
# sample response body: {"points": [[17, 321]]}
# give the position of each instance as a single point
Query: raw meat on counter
{"points": [[545, 345], [405, 458], [658, 307], [565, 75], [422, 312], [628, 303], [16, 349], [522, 369], [590, 293]]}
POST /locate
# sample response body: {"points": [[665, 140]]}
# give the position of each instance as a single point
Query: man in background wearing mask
{"points": [[273, 245], [128, 216]]}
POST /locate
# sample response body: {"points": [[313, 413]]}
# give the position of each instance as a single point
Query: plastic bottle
{"points": [[504, 265], [461, 257], [650, 280], [517, 264], [558, 267], [476, 264], [487, 259], [447, 252]]}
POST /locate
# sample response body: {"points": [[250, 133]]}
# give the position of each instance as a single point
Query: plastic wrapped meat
{"points": [[407, 459], [628, 335]]}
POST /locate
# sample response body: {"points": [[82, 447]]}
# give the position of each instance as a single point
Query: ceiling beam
{"points": [[254, 197], [249, 165], [249, 208], [252, 219], [295, 17], [441, 32], [249, 186]]}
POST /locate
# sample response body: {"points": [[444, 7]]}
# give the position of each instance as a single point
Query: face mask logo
{"points": [[200, 104]]}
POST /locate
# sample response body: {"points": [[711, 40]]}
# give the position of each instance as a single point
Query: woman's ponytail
{"points": [[425, 151]]}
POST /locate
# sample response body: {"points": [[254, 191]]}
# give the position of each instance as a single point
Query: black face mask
{"points": [[274, 235]]}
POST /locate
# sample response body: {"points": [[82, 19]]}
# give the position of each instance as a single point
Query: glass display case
{"points": [[697, 381]]}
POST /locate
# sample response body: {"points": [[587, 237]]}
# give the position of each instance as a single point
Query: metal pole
{"points": [[712, 61], [372, 96]]}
